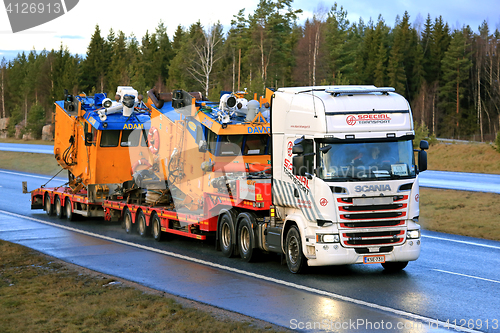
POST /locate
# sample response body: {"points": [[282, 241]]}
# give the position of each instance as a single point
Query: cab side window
{"points": [[110, 138]]}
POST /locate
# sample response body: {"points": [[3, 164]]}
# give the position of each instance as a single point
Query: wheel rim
{"points": [[58, 207], [47, 204], [142, 225], [293, 250], [128, 223], [245, 239], [226, 235], [156, 228], [68, 208]]}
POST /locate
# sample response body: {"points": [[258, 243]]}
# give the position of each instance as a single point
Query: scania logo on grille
{"points": [[372, 188]]}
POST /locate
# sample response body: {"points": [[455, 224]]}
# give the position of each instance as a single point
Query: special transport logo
{"points": [[28, 14], [368, 119]]}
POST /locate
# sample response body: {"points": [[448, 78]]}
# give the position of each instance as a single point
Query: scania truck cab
{"points": [[345, 180]]}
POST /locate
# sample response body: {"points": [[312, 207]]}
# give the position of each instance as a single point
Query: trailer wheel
{"points": [[140, 219], [227, 234], [48, 205], [156, 226], [127, 218], [394, 266], [246, 237], [59, 208], [69, 210], [295, 259]]}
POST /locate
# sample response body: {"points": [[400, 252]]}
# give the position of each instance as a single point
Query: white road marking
{"points": [[463, 242], [254, 275], [28, 175], [469, 276]]}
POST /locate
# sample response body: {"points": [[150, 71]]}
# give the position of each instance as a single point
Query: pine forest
{"points": [[451, 77]]}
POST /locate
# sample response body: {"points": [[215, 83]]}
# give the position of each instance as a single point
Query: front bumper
{"points": [[335, 254]]}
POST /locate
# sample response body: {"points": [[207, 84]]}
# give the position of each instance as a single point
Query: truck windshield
{"points": [[366, 160]]}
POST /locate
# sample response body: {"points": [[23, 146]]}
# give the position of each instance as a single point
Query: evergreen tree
{"points": [[398, 60], [338, 44], [163, 55], [94, 65], [455, 71], [36, 121], [118, 75], [426, 44]]}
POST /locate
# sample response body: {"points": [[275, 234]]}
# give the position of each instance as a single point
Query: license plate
{"points": [[373, 259]]}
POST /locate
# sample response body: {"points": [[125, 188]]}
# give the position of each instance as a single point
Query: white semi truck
{"points": [[345, 181], [324, 175]]}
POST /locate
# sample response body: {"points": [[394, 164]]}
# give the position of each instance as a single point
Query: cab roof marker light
{"points": [[358, 90]]}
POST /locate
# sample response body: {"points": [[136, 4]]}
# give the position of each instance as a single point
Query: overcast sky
{"points": [[75, 28]]}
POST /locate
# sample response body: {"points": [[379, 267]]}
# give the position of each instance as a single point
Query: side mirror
{"points": [[202, 146], [298, 149], [88, 139], [424, 145], [422, 160]]}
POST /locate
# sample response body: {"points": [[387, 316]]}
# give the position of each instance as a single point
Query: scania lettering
{"points": [[372, 188]]}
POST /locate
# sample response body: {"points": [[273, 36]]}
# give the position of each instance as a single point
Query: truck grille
{"points": [[378, 223], [374, 238]]}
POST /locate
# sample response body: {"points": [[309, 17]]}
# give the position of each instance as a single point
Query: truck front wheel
{"points": [[295, 259]]}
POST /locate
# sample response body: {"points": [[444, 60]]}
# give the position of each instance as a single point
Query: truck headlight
{"points": [[413, 234], [327, 238]]}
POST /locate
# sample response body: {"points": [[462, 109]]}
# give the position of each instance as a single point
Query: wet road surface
{"points": [[456, 279]]}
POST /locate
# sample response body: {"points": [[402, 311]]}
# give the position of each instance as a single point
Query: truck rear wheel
{"points": [[156, 225], [59, 208], [295, 259], [48, 206], [127, 219], [394, 266], [69, 210], [246, 237], [226, 236], [140, 219]]}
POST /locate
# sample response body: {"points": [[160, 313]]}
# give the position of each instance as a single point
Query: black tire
{"points": [[394, 266], [226, 235], [140, 220], [69, 210], [246, 237], [127, 219], [58, 208], [295, 259], [156, 227], [48, 207]]}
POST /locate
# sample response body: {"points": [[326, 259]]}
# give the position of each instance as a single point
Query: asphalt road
{"points": [[464, 181], [27, 148], [456, 280]]}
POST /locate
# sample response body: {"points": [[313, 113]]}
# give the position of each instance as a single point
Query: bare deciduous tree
{"points": [[202, 64]]}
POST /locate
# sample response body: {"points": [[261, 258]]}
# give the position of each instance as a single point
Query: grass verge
{"points": [[40, 294], [473, 214], [473, 157], [43, 164]]}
